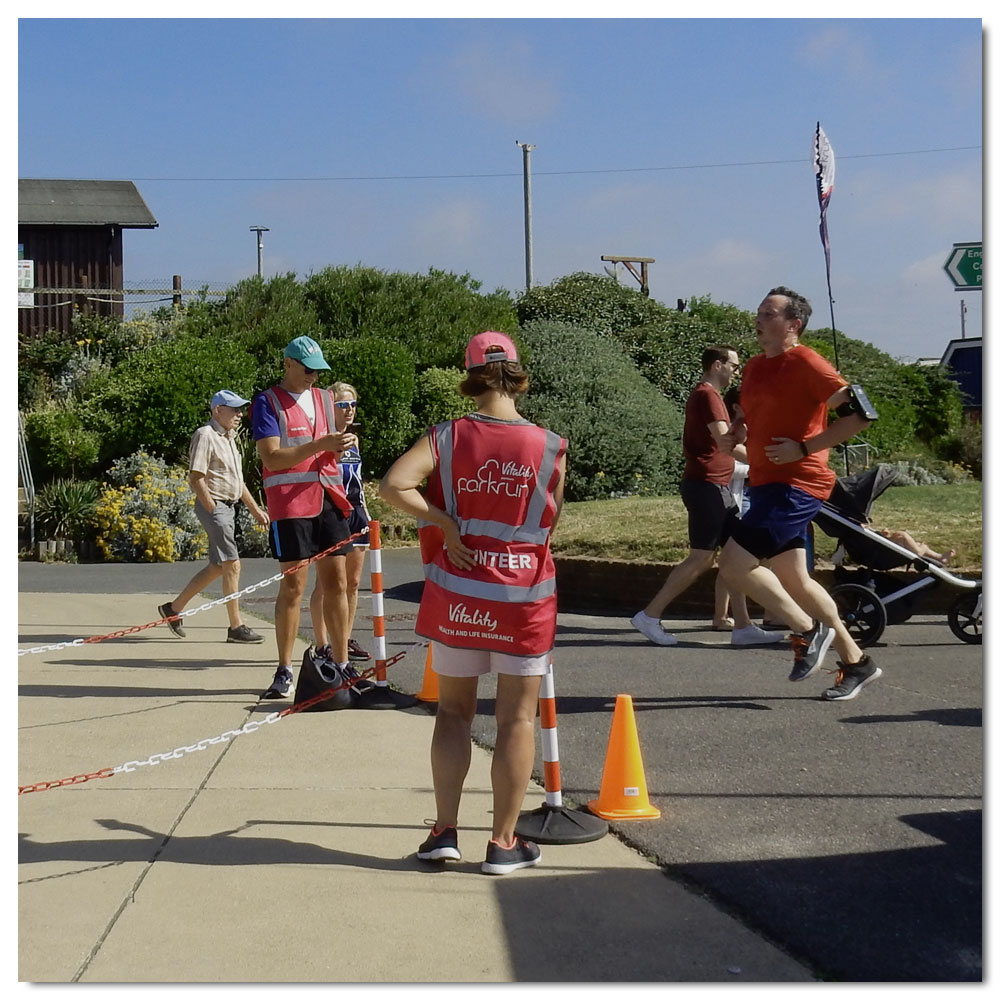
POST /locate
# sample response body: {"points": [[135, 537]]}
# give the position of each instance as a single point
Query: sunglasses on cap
{"points": [[345, 404]]}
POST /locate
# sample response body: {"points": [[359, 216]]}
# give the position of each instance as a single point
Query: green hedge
{"points": [[624, 436]]}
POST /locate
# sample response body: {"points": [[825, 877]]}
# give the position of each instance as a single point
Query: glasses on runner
{"points": [[344, 404]]}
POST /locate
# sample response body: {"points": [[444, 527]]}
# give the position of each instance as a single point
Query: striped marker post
{"points": [[380, 696], [553, 823]]}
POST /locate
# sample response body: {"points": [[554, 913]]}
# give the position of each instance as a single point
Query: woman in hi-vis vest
{"points": [[494, 492]]}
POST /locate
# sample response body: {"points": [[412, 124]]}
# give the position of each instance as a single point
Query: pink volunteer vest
{"points": [[497, 479], [298, 491]]}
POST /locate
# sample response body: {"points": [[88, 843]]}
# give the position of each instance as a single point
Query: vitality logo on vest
{"points": [[460, 613], [493, 478]]}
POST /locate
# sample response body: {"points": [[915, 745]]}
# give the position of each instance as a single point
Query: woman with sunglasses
{"points": [[345, 412]]}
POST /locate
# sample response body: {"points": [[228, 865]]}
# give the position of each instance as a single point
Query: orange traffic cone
{"points": [[623, 786], [429, 691]]}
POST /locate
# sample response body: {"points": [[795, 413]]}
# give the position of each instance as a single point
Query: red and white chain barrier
{"points": [[253, 725], [225, 599]]}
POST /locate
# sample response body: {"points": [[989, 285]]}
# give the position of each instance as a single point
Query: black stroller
{"points": [[869, 597]]}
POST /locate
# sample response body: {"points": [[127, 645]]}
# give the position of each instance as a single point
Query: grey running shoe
{"points": [[281, 686], [441, 846], [750, 635], [851, 678], [810, 649], [503, 860], [243, 633], [167, 611], [652, 629]]}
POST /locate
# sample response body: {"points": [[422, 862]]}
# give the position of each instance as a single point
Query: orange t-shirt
{"points": [[786, 396]]}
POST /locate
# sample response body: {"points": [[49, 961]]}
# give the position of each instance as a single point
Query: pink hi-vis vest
{"points": [[298, 491], [498, 480]]}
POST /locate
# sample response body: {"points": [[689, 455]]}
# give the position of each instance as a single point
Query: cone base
{"points": [[641, 812], [559, 825]]}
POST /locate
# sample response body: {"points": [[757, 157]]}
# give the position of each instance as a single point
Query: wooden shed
{"points": [[69, 235]]}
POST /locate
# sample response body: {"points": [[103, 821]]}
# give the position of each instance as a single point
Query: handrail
{"points": [[27, 480]]}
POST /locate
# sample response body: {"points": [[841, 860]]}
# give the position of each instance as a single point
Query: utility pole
{"points": [[526, 150], [260, 243]]}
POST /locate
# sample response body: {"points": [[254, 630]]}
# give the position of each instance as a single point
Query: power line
{"points": [[552, 173]]}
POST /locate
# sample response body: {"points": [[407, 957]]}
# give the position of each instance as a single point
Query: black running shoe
{"points": [[167, 611], [243, 633], [851, 678], [810, 648], [281, 686], [441, 846], [503, 860], [355, 652]]}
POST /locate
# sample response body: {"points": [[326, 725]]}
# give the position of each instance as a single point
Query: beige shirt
{"points": [[213, 453]]}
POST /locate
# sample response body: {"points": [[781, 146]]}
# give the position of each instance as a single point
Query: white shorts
{"points": [[452, 662]]}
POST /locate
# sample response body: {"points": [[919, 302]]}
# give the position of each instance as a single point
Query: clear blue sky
{"points": [[683, 140]]}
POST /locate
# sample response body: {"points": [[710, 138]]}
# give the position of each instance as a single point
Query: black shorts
{"points": [[293, 539], [711, 513]]}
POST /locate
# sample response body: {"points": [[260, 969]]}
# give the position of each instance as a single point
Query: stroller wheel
{"points": [[965, 617], [862, 612]]}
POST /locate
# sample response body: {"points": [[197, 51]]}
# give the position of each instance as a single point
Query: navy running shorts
{"points": [[777, 521]]}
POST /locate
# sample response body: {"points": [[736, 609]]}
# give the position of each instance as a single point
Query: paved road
{"points": [[850, 834]]}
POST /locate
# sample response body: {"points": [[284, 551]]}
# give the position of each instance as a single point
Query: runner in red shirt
{"points": [[709, 501], [785, 395]]}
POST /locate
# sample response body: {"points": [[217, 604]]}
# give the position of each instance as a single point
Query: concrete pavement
{"points": [[286, 854]]}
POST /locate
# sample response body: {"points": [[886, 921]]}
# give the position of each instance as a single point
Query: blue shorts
{"points": [[777, 521]]}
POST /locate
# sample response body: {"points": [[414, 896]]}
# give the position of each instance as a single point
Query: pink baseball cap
{"points": [[489, 346]]}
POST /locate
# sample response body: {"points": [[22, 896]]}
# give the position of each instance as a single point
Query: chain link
{"points": [[225, 599]]}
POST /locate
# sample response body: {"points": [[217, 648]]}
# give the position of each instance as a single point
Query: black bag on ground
{"points": [[317, 677]]}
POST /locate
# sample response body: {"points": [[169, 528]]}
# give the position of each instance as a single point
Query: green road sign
{"points": [[965, 265]]}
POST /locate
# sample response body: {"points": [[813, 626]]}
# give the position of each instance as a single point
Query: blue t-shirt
{"points": [[263, 419]]}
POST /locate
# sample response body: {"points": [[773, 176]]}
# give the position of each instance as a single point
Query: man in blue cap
{"points": [[215, 473], [298, 445]]}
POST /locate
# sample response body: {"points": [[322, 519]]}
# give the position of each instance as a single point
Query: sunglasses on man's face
{"points": [[345, 404]]}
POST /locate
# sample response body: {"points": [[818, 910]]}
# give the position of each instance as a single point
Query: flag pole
{"points": [[825, 166]]}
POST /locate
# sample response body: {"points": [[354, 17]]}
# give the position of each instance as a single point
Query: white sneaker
{"points": [[751, 635], [652, 629]]}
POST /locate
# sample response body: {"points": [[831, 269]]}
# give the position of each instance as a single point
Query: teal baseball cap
{"points": [[306, 351]]}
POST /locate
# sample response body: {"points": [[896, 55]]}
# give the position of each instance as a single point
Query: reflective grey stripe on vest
{"points": [[507, 592], [531, 531]]}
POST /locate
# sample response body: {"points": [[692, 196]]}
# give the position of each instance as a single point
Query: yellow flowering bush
{"points": [[146, 513]]}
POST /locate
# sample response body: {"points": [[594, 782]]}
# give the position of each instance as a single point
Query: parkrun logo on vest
{"points": [[459, 613], [494, 479]]}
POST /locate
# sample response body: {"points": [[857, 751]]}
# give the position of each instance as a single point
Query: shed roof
{"points": [[82, 203]]}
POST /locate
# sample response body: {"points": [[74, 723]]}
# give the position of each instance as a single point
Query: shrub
{"points": [[60, 442], [592, 301], [65, 508], [432, 314], [145, 513], [965, 447], [624, 436], [436, 397], [260, 316], [157, 398], [251, 537], [382, 372]]}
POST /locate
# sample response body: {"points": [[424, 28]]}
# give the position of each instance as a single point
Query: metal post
{"points": [[526, 150], [177, 301], [963, 319], [260, 244]]}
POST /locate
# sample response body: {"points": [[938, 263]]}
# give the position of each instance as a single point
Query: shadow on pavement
{"points": [[937, 887]]}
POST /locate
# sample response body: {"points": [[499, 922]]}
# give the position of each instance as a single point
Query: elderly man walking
{"points": [[215, 473]]}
